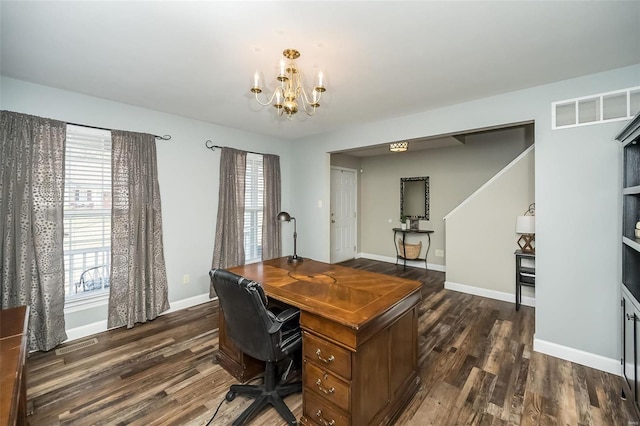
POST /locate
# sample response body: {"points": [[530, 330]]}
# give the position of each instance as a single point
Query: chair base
{"points": [[269, 393]]}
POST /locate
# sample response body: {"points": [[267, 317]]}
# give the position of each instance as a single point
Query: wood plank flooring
{"points": [[476, 362]]}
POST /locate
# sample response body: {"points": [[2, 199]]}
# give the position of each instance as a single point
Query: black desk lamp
{"points": [[286, 217]]}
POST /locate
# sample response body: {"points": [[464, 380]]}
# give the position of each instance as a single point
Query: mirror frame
{"points": [[425, 179]]}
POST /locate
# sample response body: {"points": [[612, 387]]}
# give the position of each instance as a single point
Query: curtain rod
{"points": [[209, 144], [164, 138]]}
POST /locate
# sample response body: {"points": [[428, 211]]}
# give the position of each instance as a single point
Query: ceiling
{"points": [[380, 59]]}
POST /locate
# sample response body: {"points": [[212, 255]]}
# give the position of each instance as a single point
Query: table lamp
{"points": [[526, 227], [286, 217]]}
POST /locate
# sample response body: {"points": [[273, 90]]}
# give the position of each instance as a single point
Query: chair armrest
{"points": [[283, 318], [288, 314]]}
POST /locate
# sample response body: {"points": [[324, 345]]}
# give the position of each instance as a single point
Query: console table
{"points": [[404, 233], [525, 275], [13, 365]]}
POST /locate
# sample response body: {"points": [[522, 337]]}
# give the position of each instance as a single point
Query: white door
{"points": [[343, 214]]}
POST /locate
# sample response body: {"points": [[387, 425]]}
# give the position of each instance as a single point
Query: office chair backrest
{"points": [[244, 306]]}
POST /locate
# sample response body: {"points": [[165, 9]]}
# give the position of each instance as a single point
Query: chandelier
{"points": [[290, 95]]}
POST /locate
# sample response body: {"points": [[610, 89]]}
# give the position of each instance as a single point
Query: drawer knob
{"points": [[325, 360], [323, 420], [326, 391]]}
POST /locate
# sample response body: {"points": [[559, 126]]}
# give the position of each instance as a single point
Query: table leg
{"points": [[427, 253], [518, 287], [395, 244], [404, 235]]}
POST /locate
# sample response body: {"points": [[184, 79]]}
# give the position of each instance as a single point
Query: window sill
{"points": [[81, 303]]}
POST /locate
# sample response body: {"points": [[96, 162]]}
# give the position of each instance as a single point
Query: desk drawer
{"points": [[322, 413], [330, 356], [326, 385]]}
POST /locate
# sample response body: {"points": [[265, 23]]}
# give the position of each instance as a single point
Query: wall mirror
{"points": [[414, 197]]}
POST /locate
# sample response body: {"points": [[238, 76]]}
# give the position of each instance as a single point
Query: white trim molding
{"points": [[412, 263], [101, 326], [189, 302], [578, 356], [491, 294]]}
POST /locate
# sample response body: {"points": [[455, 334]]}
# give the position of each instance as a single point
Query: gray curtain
{"points": [[138, 274], [271, 240], [228, 247], [31, 223]]}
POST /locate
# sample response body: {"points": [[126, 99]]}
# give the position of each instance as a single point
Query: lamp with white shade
{"points": [[526, 227]]}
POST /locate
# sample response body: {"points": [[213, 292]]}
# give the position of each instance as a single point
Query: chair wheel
{"points": [[231, 395]]}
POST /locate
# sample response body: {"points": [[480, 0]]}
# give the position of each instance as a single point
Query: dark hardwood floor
{"points": [[476, 362]]}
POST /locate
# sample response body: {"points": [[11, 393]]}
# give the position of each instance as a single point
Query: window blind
{"points": [[253, 208], [87, 205]]}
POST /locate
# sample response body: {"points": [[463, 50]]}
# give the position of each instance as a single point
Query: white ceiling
{"points": [[380, 59]]}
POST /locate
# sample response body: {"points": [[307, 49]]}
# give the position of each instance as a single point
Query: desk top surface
{"points": [[351, 297]]}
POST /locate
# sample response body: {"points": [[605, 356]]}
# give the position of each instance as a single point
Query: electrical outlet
{"points": [[185, 279], [439, 253]]}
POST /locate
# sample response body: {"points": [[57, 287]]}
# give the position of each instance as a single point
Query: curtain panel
{"points": [[228, 247], [31, 223], [138, 273], [271, 234]]}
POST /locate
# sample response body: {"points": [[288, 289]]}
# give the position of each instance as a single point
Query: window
{"points": [[253, 208], [87, 211]]}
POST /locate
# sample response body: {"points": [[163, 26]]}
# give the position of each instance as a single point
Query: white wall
{"points": [[577, 203], [481, 236], [188, 175]]}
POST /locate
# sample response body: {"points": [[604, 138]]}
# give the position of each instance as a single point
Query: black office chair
{"points": [[261, 334]]}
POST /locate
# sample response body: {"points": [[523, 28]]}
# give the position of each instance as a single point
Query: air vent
{"points": [[76, 346], [594, 109]]}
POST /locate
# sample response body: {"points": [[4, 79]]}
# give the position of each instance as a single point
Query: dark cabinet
{"points": [[630, 288]]}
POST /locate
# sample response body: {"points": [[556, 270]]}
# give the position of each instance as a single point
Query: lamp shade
{"points": [[525, 224], [284, 217]]}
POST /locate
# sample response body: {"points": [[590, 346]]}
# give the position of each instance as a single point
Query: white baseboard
{"points": [[564, 352], [491, 294], [86, 330], [187, 303], [579, 357], [412, 263], [100, 326]]}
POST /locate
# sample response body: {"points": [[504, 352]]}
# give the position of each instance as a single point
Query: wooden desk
{"points": [[360, 339], [13, 368]]}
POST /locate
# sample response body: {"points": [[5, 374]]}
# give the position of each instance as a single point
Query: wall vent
{"points": [[594, 109]]}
